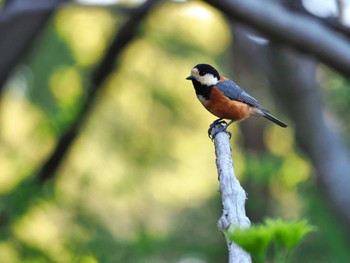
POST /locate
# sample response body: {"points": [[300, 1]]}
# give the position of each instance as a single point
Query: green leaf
{"points": [[289, 234], [255, 240]]}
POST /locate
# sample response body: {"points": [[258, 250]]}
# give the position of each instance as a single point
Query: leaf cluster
{"points": [[275, 238]]}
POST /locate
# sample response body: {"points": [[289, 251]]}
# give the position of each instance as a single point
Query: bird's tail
{"points": [[268, 116]]}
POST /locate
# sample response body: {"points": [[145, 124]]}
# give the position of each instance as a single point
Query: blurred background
{"points": [[104, 153]]}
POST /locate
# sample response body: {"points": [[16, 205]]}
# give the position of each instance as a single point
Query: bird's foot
{"points": [[217, 126]]}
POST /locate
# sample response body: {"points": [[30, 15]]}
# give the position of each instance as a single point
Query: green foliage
{"points": [[288, 234], [255, 240], [278, 236], [139, 184]]}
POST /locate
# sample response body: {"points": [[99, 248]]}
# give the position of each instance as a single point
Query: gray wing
{"points": [[234, 92]]}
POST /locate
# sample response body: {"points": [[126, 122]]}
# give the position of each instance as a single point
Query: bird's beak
{"points": [[190, 77]]}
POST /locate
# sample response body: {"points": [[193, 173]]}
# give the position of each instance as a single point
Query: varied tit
{"points": [[224, 98]]}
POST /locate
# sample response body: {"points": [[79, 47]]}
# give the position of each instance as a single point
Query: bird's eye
{"points": [[202, 73]]}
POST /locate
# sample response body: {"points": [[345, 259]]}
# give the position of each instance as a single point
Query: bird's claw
{"points": [[218, 126]]}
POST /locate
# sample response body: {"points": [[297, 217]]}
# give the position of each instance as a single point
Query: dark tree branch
{"points": [[334, 22], [13, 9], [340, 6], [322, 142], [298, 31], [293, 81], [20, 23], [126, 33]]}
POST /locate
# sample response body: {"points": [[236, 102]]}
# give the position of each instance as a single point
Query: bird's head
{"points": [[204, 74]]}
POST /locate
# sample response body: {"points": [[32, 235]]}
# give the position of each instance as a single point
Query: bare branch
{"points": [[316, 136], [299, 31], [334, 22], [16, 8], [340, 6], [126, 33], [233, 196], [294, 85], [20, 23]]}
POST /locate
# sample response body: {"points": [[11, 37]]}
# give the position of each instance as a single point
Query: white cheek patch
{"points": [[208, 79]]}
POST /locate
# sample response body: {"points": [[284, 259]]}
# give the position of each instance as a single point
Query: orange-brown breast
{"points": [[223, 107]]}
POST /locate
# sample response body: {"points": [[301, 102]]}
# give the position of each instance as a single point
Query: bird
{"points": [[225, 99]]}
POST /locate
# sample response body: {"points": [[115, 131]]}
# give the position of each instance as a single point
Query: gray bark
{"points": [[233, 197]]}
